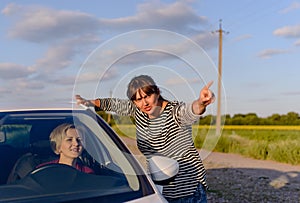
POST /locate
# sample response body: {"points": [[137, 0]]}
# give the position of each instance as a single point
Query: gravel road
{"points": [[234, 178], [237, 179]]}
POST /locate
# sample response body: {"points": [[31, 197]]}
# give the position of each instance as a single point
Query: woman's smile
{"points": [[76, 150]]}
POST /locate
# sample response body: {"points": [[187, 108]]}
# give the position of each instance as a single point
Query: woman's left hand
{"points": [[206, 97]]}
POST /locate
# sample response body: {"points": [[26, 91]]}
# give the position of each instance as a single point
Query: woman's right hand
{"points": [[83, 101]]}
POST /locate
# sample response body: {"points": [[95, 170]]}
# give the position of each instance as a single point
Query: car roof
{"points": [[39, 109]]}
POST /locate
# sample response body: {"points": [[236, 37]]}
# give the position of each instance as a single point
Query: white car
{"points": [[24, 143]]}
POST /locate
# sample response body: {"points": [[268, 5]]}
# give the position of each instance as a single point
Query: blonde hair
{"points": [[58, 134]]}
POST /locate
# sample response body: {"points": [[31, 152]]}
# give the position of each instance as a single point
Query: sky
{"points": [[54, 49]]}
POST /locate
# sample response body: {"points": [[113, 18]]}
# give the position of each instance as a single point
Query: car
{"points": [[118, 176]]}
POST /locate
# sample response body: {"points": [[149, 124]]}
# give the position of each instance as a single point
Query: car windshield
{"points": [[24, 145]]}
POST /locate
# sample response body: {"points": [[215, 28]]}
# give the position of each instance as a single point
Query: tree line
{"points": [[291, 118]]}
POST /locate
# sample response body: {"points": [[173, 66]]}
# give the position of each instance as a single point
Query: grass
{"points": [[277, 143], [125, 130]]}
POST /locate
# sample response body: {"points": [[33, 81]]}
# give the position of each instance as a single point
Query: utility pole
{"points": [[218, 120]]}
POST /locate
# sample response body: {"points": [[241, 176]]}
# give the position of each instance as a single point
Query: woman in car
{"points": [[164, 128], [66, 142]]}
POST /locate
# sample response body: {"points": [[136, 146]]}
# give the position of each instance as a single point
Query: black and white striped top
{"points": [[169, 135]]}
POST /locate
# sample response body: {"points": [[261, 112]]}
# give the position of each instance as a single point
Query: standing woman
{"points": [[164, 128]]}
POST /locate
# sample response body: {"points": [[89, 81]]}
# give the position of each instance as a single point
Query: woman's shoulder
{"points": [[174, 103], [87, 169], [172, 106], [83, 168]]}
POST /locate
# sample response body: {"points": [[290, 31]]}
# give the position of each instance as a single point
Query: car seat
{"points": [[39, 152], [7, 159]]}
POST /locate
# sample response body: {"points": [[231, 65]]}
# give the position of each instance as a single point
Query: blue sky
{"points": [[51, 50]]}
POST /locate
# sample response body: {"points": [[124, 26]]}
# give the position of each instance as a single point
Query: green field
{"points": [[277, 143]]}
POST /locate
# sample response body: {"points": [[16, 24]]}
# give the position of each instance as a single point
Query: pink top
{"points": [[78, 166]]}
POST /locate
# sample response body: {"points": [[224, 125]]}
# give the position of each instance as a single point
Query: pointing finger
{"points": [[209, 84]]}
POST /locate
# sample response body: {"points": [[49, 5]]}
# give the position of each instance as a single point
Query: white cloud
{"points": [[242, 37], [5, 91], [178, 81], [61, 55], [69, 33], [21, 87], [291, 93], [56, 58], [206, 40], [41, 24], [160, 50], [178, 17], [65, 80], [268, 53], [288, 31], [291, 7], [23, 83], [11, 9], [13, 71], [297, 43]]}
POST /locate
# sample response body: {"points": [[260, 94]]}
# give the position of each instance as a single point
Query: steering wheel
{"points": [[54, 177], [51, 168], [58, 178]]}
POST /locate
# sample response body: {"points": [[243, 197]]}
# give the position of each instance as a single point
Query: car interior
{"points": [[27, 145], [24, 144]]}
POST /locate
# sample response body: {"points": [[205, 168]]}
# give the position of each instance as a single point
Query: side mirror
{"points": [[162, 168]]}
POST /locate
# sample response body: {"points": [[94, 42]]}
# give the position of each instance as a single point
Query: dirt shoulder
{"points": [[234, 178]]}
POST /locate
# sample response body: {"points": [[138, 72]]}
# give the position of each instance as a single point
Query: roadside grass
{"points": [[277, 143], [125, 130]]}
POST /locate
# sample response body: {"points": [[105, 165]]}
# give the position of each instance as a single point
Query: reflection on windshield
{"points": [[104, 150], [25, 141]]}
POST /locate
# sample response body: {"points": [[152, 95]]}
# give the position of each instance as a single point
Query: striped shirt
{"points": [[170, 135]]}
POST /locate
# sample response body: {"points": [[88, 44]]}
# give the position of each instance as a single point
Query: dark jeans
{"points": [[198, 197]]}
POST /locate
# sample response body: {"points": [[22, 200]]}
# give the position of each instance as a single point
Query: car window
{"points": [[108, 150], [116, 172], [16, 135]]}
